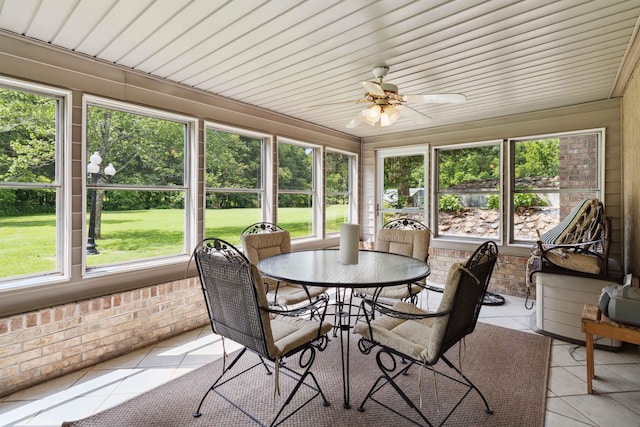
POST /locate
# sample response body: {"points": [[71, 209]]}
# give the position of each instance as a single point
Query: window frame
{"points": [[352, 192], [508, 202], [381, 154], [62, 185], [266, 162], [316, 193], [189, 186], [436, 190]]}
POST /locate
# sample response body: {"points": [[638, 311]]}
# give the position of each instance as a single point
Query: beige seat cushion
{"points": [[398, 292], [413, 243], [291, 294], [419, 339], [576, 262], [284, 333], [291, 332]]}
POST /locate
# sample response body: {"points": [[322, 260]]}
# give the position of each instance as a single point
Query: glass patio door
{"points": [[401, 184]]}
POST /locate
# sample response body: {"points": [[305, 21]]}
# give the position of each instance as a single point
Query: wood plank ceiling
{"points": [[306, 58]]}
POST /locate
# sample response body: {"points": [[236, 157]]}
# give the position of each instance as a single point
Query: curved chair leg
{"points": [[306, 361], [471, 385], [197, 413], [388, 377]]}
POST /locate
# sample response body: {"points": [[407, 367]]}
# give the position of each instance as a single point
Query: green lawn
{"points": [[28, 242]]}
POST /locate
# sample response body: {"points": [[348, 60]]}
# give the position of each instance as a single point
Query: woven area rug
{"points": [[510, 368]]}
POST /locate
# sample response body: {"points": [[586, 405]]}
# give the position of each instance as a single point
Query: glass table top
{"points": [[321, 267]]}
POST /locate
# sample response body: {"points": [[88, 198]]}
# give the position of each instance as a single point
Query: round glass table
{"points": [[321, 267]]}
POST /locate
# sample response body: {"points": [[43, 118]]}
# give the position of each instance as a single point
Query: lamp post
{"points": [[93, 169]]}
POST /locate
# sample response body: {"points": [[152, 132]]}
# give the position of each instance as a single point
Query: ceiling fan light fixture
{"points": [[389, 104], [389, 116], [372, 114]]}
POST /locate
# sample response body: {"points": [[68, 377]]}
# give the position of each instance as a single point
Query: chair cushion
{"points": [[419, 339], [290, 294], [410, 337], [399, 292], [413, 243], [290, 332], [263, 245], [265, 317], [574, 261]]}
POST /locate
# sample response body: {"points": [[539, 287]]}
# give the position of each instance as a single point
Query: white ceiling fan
{"points": [[387, 105]]}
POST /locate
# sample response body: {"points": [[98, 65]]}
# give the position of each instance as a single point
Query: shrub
{"points": [[450, 203], [527, 200]]}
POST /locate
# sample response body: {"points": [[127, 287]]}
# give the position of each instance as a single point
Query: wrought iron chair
{"points": [[421, 337], [264, 239], [237, 307], [402, 236]]}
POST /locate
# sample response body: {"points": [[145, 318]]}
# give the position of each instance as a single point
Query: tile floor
{"points": [[83, 393]]}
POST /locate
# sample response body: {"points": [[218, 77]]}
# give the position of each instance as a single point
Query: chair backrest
{"points": [[413, 243], [463, 295], [263, 245], [234, 296], [405, 224], [583, 224], [262, 227]]}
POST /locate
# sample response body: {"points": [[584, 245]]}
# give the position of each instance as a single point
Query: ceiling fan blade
{"points": [[436, 98], [374, 88], [356, 120], [414, 115], [335, 104]]}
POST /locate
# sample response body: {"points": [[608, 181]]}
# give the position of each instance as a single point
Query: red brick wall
{"points": [[44, 344], [578, 154], [508, 276]]}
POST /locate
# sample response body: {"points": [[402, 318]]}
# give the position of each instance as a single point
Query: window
{"points": [[401, 191], [234, 182], [551, 175], [340, 206], [468, 191], [33, 217], [547, 175], [298, 206], [138, 191]]}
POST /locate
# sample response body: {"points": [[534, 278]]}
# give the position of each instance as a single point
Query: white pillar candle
{"points": [[349, 243]]}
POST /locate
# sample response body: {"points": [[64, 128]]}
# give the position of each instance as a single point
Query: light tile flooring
{"points": [[77, 395]]}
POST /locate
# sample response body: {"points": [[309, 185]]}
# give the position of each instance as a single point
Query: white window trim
{"points": [[266, 189], [383, 153], [436, 185], [63, 177], [353, 187], [191, 207], [508, 204], [317, 187]]}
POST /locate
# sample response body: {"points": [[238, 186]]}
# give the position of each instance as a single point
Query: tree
{"points": [[467, 165], [233, 161], [403, 173], [27, 150], [537, 158], [295, 172], [146, 151]]}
